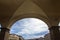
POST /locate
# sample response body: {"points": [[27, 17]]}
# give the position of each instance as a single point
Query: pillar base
{"points": [[3, 33], [54, 31]]}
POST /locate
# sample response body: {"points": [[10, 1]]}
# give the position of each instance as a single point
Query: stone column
{"points": [[4, 34], [54, 31]]}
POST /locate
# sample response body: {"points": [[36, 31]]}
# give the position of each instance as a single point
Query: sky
{"points": [[29, 28]]}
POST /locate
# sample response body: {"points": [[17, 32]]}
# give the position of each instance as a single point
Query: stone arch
{"points": [[29, 16], [28, 10]]}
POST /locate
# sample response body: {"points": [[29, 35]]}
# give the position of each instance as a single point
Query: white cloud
{"points": [[33, 36], [33, 26], [12, 31]]}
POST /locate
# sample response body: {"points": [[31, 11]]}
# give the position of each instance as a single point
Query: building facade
{"points": [[47, 37], [15, 37]]}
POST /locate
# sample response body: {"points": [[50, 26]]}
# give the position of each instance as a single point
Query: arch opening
{"points": [[30, 28], [59, 25], [0, 27]]}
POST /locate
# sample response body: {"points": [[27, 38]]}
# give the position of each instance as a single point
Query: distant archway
{"points": [[30, 27], [0, 27]]}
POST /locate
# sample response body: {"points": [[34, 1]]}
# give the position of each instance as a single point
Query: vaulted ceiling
{"points": [[51, 8], [8, 7]]}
